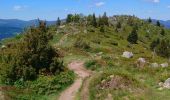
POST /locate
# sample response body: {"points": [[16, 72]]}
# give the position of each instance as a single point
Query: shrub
{"points": [[30, 55], [133, 37], [82, 44]]}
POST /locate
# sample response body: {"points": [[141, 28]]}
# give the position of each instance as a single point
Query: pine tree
{"points": [[105, 19], [69, 18], [58, 22], [162, 32], [154, 44], [163, 49], [133, 37], [150, 20], [94, 22], [158, 23]]}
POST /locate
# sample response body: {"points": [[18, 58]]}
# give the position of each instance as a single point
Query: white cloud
{"points": [[156, 1], [168, 6], [99, 4], [19, 7]]}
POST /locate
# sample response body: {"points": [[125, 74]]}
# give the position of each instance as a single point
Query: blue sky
{"points": [[51, 9]]}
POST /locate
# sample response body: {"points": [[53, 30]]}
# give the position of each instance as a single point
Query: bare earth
{"points": [[78, 68]]}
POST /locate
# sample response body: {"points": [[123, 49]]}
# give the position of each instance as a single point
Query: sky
{"points": [[51, 9]]}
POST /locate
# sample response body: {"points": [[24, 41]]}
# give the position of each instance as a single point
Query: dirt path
{"points": [[78, 68]]}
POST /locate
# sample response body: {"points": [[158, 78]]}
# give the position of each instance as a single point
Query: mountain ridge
{"points": [[11, 27]]}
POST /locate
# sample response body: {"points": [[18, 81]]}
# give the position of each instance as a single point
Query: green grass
{"points": [[44, 88]]}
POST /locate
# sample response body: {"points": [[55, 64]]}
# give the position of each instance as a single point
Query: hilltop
{"points": [[124, 53], [12, 27]]}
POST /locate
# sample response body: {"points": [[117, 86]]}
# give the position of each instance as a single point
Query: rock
{"points": [[164, 65], [103, 81], [99, 54], [155, 65], [161, 84], [141, 62], [127, 54], [167, 84], [111, 76], [3, 46], [62, 26], [85, 31], [161, 88]]}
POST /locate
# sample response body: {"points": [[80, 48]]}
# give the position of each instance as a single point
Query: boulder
{"points": [[127, 54], [155, 65], [62, 26], [164, 65], [3, 46], [141, 62], [167, 84]]}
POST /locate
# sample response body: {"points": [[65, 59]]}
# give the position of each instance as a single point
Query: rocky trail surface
{"points": [[70, 93]]}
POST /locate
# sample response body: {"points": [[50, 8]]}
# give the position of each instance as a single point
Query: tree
{"points": [[105, 19], [58, 22], [118, 25], [162, 32], [27, 58], [94, 22], [69, 18], [76, 18], [102, 29], [150, 20], [163, 49], [133, 37], [154, 44], [158, 23]]}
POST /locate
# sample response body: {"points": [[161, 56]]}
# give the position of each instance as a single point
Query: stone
{"points": [[155, 65], [141, 62], [111, 76], [127, 54], [62, 26], [3, 46], [164, 65], [161, 84], [167, 84]]}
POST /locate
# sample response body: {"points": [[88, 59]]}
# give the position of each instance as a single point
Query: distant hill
{"points": [[164, 23], [11, 27]]}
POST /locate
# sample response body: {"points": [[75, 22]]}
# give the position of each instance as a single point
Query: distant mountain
{"points": [[11, 27], [164, 23]]}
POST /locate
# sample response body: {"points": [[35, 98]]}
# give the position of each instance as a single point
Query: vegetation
{"points": [[34, 61]]}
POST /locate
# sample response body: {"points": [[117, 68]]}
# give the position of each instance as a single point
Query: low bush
{"points": [[82, 44], [44, 86]]}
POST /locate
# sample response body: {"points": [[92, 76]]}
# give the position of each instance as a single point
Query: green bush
{"points": [[26, 58], [45, 85], [82, 44]]}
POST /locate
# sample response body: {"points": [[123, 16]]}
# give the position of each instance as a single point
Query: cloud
{"points": [[154, 1], [19, 7], [168, 6], [99, 4]]}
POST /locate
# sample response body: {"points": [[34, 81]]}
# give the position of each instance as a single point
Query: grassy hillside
{"points": [[102, 47]]}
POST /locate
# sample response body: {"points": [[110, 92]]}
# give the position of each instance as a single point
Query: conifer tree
{"points": [[94, 22], [58, 22], [158, 23], [105, 19], [150, 20], [69, 18], [133, 37], [162, 32]]}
